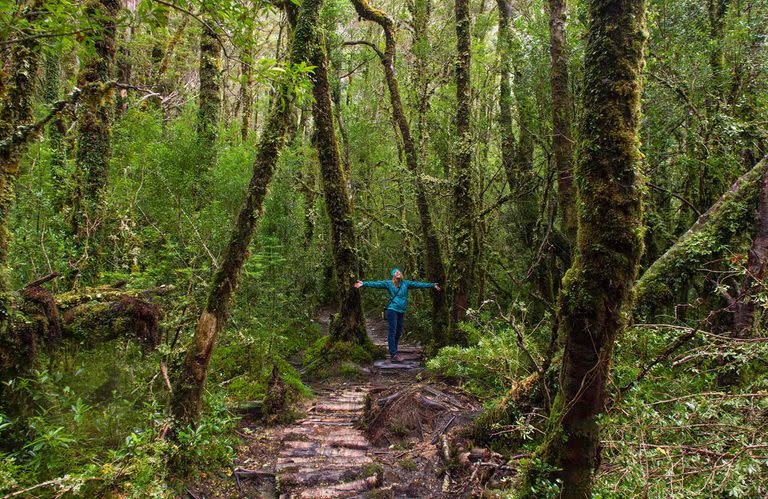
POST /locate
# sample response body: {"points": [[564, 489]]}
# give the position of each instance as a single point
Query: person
{"points": [[398, 302]]}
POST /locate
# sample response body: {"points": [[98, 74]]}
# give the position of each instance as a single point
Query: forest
{"points": [[196, 195]]}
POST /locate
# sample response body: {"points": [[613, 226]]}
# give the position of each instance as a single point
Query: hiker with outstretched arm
{"points": [[398, 302]]}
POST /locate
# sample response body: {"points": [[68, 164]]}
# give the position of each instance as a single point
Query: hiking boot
{"points": [[397, 358]]}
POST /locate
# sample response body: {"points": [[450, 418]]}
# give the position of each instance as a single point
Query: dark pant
{"points": [[395, 320]]}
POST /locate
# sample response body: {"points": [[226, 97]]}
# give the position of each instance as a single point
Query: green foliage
{"points": [[493, 364]]}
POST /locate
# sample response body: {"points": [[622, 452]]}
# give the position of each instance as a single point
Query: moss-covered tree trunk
{"points": [[506, 127], [716, 231], [209, 100], [16, 90], [743, 306], [462, 268], [562, 138], [349, 324], [246, 92], [420, 12], [94, 130], [434, 257], [56, 130], [757, 258], [190, 381], [597, 289], [717, 10]]}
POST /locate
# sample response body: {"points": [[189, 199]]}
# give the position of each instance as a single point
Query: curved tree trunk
{"points": [[597, 289], [434, 258], [188, 390]]}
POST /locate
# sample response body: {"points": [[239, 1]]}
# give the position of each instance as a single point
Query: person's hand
{"points": [[437, 286], [359, 284]]}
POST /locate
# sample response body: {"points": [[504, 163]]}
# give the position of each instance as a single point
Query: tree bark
{"points": [[562, 139], [209, 102], [15, 111], [349, 324], [711, 235], [56, 130], [246, 93], [434, 258], [188, 390], [757, 258], [94, 130], [462, 268], [597, 289]]}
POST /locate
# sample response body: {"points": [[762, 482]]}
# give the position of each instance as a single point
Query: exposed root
{"points": [[417, 411]]}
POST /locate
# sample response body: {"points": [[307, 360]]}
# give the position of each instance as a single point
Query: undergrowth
{"points": [[674, 433]]}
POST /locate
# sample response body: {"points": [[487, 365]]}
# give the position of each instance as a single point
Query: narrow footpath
{"points": [[326, 454]]}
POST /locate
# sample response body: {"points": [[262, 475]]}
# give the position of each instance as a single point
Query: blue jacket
{"points": [[398, 296]]}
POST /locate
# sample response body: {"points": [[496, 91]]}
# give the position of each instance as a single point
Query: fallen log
{"points": [[715, 232], [113, 316]]}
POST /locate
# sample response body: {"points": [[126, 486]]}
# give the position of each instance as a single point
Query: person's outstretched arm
{"points": [[371, 284], [420, 284]]}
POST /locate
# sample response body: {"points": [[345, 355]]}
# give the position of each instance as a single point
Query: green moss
{"points": [[331, 358]]}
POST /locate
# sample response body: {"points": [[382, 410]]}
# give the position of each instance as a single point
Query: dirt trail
{"points": [[325, 454]]}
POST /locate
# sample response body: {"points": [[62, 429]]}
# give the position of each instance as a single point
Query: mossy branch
{"points": [[25, 134], [712, 234]]}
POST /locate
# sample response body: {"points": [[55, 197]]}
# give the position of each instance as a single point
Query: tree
{"points": [[57, 129], [188, 390], [94, 129], [597, 289], [209, 101], [462, 268], [562, 140], [713, 233], [15, 111], [349, 324], [434, 258]]}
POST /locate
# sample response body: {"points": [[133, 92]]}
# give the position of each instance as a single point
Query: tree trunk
{"points": [[744, 313], [188, 390], [711, 235], [246, 92], [349, 324], [421, 11], [505, 94], [15, 110], [462, 268], [598, 287], [94, 129], [562, 139], [434, 258], [717, 10], [209, 103], [56, 131]]}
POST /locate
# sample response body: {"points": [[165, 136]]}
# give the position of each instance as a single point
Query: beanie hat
{"points": [[395, 270]]}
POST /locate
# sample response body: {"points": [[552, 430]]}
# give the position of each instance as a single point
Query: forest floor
{"points": [[384, 433]]}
